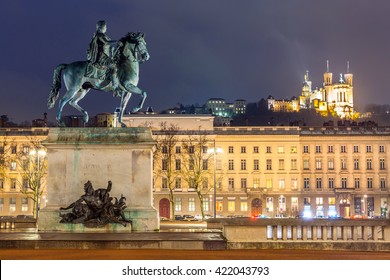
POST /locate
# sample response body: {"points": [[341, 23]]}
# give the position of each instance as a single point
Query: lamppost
{"points": [[365, 205], [38, 154], [214, 151]]}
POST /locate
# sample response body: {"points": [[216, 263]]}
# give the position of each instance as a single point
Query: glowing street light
{"points": [[215, 151], [38, 154]]}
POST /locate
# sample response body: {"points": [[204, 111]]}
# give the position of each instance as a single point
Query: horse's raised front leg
{"points": [[125, 97], [134, 89]]}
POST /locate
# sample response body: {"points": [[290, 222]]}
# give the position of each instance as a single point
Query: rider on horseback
{"points": [[102, 51]]}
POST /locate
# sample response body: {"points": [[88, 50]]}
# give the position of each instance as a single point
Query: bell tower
{"points": [[349, 76], [327, 75]]}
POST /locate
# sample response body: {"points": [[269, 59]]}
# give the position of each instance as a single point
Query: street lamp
{"points": [[365, 204], [38, 154], [215, 151]]}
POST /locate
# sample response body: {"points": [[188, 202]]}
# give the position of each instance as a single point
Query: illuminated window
{"points": [[281, 150], [306, 164], [343, 163], [206, 204], [330, 163], [24, 204], [293, 149], [13, 165], [294, 183], [231, 206], [270, 204], [191, 204], [178, 204], [282, 183], [281, 164], [268, 183], [318, 164], [294, 164], [244, 205], [219, 206], [12, 204], [256, 182]]}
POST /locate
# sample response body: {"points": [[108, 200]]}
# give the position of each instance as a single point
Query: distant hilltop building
{"points": [[333, 98], [219, 107]]}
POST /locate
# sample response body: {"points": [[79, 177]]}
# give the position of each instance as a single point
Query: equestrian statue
{"points": [[111, 66]]}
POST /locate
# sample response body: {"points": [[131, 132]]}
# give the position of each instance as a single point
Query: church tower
{"points": [[349, 76], [327, 75]]}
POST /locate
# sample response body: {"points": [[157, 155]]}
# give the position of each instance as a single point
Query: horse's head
{"points": [[137, 43]]}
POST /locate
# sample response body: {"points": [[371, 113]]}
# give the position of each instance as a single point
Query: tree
{"points": [[165, 159], [196, 165], [33, 169]]}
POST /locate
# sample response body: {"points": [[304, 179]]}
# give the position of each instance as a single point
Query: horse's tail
{"points": [[55, 88]]}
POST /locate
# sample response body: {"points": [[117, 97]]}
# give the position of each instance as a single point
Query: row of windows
{"points": [[14, 149], [343, 149], [178, 164], [272, 204], [178, 149], [343, 164], [12, 204], [282, 183], [14, 183], [268, 149], [344, 183]]}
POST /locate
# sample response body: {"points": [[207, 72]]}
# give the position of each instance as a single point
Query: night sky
{"points": [[199, 49]]}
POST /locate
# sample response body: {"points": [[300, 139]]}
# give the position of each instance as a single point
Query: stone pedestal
{"points": [[120, 155]]}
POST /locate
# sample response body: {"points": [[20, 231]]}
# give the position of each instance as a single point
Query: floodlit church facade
{"points": [[334, 98]]}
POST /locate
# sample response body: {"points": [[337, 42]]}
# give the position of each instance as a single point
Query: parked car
{"points": [[178, 217], [189, 218]]}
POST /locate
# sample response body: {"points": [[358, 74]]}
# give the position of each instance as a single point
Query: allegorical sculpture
{"points": [[112, 66], [96, 208]]}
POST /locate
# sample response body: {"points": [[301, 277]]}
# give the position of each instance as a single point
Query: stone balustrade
{"points": [[263, 231]]}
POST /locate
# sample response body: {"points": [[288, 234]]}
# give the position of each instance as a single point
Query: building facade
{"points": [[272, 171], [15, 147], [289, 172]]}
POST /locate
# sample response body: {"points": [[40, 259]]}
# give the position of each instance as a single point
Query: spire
{"points": [[347, 67], [327, 65], [307, 76]]}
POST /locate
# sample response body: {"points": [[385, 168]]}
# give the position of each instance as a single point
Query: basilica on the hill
{"points": [[331, 99]]}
